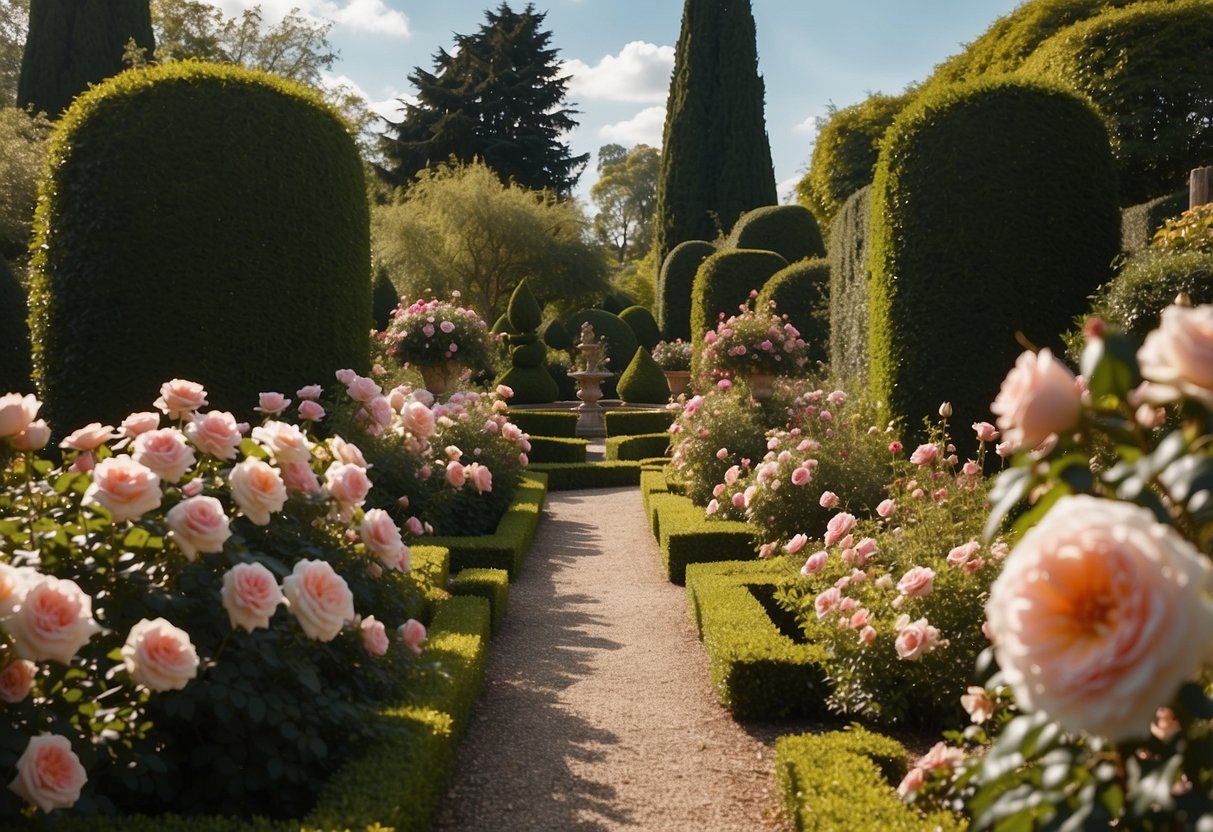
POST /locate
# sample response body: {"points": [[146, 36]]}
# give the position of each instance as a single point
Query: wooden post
{"points": [[1200, 186]]}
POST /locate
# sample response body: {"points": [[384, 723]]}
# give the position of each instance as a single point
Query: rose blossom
{"points": [[16, 412], [455, 475], [124, 488], [272, 404], [49, 774], [382, 538], [917, 582], [34, 438], [311, 411], [258, 490], [180, 398], [961, 554], [165, 452], [319, 598], [797, 543], [1176, 357], [374, 636], [1099, 615], [915, 638], [250, 595], [1039, 397], [310, 392], [362, 389], [17, 680], [411, 633], [815, 563], [985, 431], [347, 452], [198, 524], [215, 432], [977, 704], [839, 526], [828, 498], [480, 477], [90, 437], [924, 454], [159, 656], [867, 635], [827, 602], [285, 442]]}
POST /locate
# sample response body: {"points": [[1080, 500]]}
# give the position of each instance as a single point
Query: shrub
{"points": [[756, 340], [643, 382], [674, 283], [528, 377], [491, 584], [948, 236], [673, 355], [557, 449], [22, 147], [1192, 230], [507, 545], [724, 282], [14, 334], [802, 292], [162, 202], [848, 293], [638, 447], [1147, 283], [718, 419], [437, 332], [571, 476], [620, 341], [686, 536], [633, 422], [1138, 223], [788, 230], [556, 336], [643, 324]]}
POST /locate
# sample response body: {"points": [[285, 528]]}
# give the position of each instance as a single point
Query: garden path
{"points": [[598, 713]]}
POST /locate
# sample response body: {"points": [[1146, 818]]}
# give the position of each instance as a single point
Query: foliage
{"points": [[1147, 283], [14, 334], [849, 274], [948, 237], [802, 292], [528, 377], [1190, 231], [756, 340], [437, 331], [620, 341], [674, 285], [673, 355], [269, 240], [726, 281], [720, 418], [620, 423], [638, 446], [22, 148], [638, 279], [626, 196], [384, 299], [498, 96], [14, 24], [459, 228], [1138, 223], [643, 325], [643, 381], [715, 156], [788, 230]]}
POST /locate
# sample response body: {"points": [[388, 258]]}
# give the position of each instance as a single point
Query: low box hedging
{"points": [[633, 422], [546, 422], [760, 672], [652, 481], [687, 536], [557, 449], [491, 584], [506, 548], [638, 447], [826, 781], [570, 476]]}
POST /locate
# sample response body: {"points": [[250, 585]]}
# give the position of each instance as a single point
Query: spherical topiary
{"points": [[802, 292], [790, 231], [723, 283], [524, 312], [643, 382], [620, 340], [643, 325], [556, 336], [674, 287], [14, 335], [384, 300], [203, 222]]}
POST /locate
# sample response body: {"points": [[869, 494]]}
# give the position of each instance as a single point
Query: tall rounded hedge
{"points": [[993, 213], [849, 273], [14, 334], [790, 231], [674, 287], [203, 222], [723, 283], [643, 324], [802, 292]]}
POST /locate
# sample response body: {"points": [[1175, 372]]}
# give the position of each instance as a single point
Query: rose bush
{"points": [[434, 331], [755, 340]]}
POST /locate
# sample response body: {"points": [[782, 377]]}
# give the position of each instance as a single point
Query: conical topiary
{"points": [[643, 324], [643, 382], [523, 312]]}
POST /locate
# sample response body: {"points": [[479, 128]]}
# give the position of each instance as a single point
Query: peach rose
{"points": [[165, 452], [418, 419], [917, 582], [16, 412], [215, 432], [159, 656], [198, 524], [456, 476], [258, 490], [250, 595], [124, 488], [53, 620], [915, 638], [374, 636], [1099, 615], [299, 478], [49, 774], [347, 452], [272, 403], [90, 437], [137, 423], [382, 538], [285, 442], [347, 484], [1039, 397], [480, 477], [977, 704], [985, 431], [17, 680], [14, 581], [1177, 357], [411, 633], [180, 398], [34, 438], [319, 598]]}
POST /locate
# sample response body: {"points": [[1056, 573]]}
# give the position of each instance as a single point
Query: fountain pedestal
{"points": [[589, 384]]}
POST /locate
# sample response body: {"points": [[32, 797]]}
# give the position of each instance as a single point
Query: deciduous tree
{"points": [[626, 195]]}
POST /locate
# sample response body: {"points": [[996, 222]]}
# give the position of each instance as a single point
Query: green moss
{"points": [[674, 283], [630, 422], [802, 292], [643, 324], [643, 382], [788, 230]]}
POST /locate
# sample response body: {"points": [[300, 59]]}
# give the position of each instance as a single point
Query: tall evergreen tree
{"points": [[499, 98], [715, 156], [74, 43]]}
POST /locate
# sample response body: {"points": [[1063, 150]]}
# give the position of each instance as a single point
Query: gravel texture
{"points": [[598, 712]]}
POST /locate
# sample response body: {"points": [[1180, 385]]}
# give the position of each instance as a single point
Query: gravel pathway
{"points": [[598, 712]]}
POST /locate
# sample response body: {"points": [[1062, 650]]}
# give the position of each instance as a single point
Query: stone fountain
{"points": [[589, 383]]}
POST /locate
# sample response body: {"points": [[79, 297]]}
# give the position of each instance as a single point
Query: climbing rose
{"points": [[319, 598], [250, 595], [159, 656], [49, 774]]}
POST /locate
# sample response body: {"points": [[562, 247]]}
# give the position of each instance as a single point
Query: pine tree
{"points": [[715, 158], [497, 97], [74, 43]]}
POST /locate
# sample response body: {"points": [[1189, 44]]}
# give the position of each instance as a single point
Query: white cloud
{"points": [[373, 16], [640, 72], [389, 106], [786, 190], [643, 128], [809, 126]]}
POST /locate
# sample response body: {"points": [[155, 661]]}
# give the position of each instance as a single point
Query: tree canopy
{"points": [[497, 96], [626, 196]]}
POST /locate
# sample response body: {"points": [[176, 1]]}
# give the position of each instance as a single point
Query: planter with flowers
{"points": [[441, 338], [674, 359], [756, 345]]}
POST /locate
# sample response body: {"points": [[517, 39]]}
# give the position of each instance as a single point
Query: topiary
{"points": [[528, 376], [848, 354], [556, 336], [643, 324], [674, 287], [643, 382], [788, 230], [802, 292], [616, 302], [1138, 223], [724, 282], [620, 341], [950, 238], [167, 209], [384, 299], [523, 311], [14, 335]]}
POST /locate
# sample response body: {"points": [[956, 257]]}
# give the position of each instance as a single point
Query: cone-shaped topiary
{"points": [[528, 377], [674, 287], [802, 292], [167, 209], [524, 312], [502, 326], [14, 335], [384, 299], [556, 336], [643, 382], [790, 231], [643, 325]]}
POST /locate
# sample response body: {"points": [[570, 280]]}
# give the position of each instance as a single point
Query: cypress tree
{"points": [[715, 158], [74, 43]]}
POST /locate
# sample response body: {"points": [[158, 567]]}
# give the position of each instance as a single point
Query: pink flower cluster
{"points": [[433, 331], [754, 341]]}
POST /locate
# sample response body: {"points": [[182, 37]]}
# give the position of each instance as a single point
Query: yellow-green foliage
{"points": [[686, 536], [674, 287], [1138, 223], [557, 449], [849, 273], [788, 230], [546, 422], [491, 584], [570, 476], [179, 235]]}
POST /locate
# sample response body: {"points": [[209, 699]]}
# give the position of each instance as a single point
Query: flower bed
{"points": [[507, 547]]}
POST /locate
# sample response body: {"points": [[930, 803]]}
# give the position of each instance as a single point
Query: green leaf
{"points": [[1009, 489]]}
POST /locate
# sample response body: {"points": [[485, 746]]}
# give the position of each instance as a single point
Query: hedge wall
{"points": [[802, 292], [790, 231], [993, 213], [849, 274], [203, 222], [674, 287]]}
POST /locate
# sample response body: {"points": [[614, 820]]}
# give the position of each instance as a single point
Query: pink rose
{"points": [[310, 411], [985, 431], [124, 488], [347, 484], [924, 454], [381, 410], [165, 452], [137, 423], [1099, 615], [455, 475], [216, 433], [886, 508], [839, 526], [16, 412], [1039, 397], [285, 442], [961, 554], [915, 638], [345, 376], [272, 404], [480, 477], [198, 524], [192, 488], [319, 598], [977, 704], [374, 636], [419, 420], [49, 774], [34, 438], [362, 389], [411, 633], [828, 498], [159, 656], [250, 595], [382, 538], [505, 392], [797, 543], [310, 392], [180, 398], [895, 447], [1177, 357], [17, 680], [917, 582], [299, 478], [90, 437], [802, 476], [827, 602], [815, 563], [867, 635], [347, 452], [257, 489]]}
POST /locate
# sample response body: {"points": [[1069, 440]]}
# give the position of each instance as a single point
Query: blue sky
{"points": [[620, 53]]}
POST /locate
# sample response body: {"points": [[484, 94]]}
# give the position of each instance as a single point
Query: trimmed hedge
{"points": [[1148, 283], [850, 242], [643, 324], [14, 335], [802, 292], [384, 299], [791, 231], [491, 584], [674, 284], [632, 422], [687, 536], [164, 209], [723, 283], [638, 447], [557, 449], [546, 422], [996, 201], [643, 382], [572, 476], [826, 781], [506, 548], [1139, 222], [759, 671]]}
